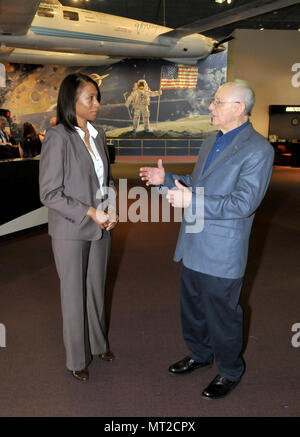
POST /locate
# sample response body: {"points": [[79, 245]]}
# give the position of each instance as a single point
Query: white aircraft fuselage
{"points": [[91, 36]]}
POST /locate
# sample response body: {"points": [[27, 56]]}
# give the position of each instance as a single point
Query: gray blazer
{"points": [[234, 186], [69, 184]]}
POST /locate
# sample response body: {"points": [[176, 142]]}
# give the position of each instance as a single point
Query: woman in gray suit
{"points": [[77, 187]]}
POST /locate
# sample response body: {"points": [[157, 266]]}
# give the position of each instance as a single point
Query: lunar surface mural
{"points": [[173, 102]]}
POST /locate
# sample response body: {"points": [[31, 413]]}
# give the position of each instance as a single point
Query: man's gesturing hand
{"points": [[181, 197], [153, 175]]}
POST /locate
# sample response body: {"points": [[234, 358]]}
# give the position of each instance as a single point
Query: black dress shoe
{"points": [[81, 375], [187, 365], [108, 356], [219, 388]]}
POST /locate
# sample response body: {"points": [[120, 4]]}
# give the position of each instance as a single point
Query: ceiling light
{"points": [[222, 1]]}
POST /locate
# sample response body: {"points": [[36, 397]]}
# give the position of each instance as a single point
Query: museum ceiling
{"points": [[175, 13]]}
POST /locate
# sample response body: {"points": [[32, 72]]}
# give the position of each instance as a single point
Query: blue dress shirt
{"points": [[222, 141]]}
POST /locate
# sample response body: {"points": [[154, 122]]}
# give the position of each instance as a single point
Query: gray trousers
{"points": [[82, 267]]}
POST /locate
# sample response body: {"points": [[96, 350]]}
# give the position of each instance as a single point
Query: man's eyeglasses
{"points": [[219, 102]]}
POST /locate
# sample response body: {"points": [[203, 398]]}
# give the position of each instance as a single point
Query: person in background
{"points": [[229, 181], [52, 123], [4, 137], [31, 142], [74, 179], [8, 147]]}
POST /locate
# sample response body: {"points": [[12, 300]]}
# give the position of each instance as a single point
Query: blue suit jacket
{"points": [[234, 186]]}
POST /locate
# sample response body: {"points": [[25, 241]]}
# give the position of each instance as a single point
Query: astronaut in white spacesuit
{"points": [[140, 101]]}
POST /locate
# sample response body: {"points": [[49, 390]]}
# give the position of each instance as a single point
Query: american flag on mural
{"points": [[178, 77]]}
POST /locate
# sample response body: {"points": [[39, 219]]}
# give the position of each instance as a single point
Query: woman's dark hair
{"points": [[67, 96], [28, 129]]}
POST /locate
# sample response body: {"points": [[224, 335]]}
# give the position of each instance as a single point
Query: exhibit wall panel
{"points": [[180, 111], [270, 61]]}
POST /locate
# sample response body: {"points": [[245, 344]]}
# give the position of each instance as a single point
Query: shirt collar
{"points": [[233, 132], [92, 131]]}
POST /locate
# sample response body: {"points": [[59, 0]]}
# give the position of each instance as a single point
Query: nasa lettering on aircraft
{"points": [[48, 33]]}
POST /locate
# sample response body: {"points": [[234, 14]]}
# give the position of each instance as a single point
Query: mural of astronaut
{"points": [[140, 101]]}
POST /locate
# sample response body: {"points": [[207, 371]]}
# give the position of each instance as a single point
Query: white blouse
{"points": [[98, 163]]}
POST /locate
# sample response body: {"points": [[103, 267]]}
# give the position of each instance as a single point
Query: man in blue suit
{"points": [[234, 168]]}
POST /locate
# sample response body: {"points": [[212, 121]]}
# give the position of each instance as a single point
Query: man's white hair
{"points": [[244, 92]]}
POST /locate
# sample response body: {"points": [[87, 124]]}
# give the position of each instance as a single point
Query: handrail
{"points": [[188, 146]]}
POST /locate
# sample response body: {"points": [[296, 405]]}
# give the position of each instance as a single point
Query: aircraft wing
{"points": [[252, 9], [16, 16]]}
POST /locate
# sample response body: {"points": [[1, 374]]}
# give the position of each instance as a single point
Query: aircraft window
{"points": [[45, 12], [70, 15]]}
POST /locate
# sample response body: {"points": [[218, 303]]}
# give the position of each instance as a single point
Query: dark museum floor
{"points": [[145, 332]]}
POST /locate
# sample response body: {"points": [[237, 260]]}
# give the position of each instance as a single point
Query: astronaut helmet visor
{"points": [[141, 85]]}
